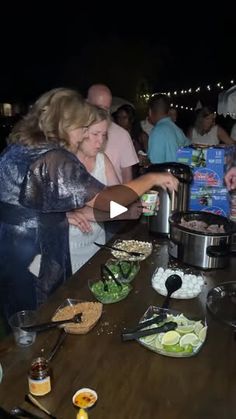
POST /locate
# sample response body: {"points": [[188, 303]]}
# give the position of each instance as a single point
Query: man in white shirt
{"points": [[119, 147]]}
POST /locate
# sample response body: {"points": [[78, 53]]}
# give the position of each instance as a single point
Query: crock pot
{"points": [[206, 250]]}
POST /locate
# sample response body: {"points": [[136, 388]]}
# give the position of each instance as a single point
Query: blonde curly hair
{"points": [[52, 116]]}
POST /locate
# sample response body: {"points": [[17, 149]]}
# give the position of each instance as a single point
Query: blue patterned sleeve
{"points": [[58, 181]]}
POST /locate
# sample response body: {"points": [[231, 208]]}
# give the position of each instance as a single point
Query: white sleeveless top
{"points": [[210, 138], [81, 244]]}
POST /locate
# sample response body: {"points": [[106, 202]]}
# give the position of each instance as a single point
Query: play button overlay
{"points": [[116, 209], [113, 206]]}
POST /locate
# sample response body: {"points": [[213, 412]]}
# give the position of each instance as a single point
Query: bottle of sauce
{"points": [[39, 377]]}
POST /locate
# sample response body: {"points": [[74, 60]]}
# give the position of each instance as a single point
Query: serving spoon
{"points": [[172, 284], [49, 325]]}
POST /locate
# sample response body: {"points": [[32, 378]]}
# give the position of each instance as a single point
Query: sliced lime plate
{"points": [[185, 341]]}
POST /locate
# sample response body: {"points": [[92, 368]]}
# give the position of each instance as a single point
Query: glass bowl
{"points": [[185, 341], [91, 313], [123, 270], [192, 282], [113, 294], [221, 302], [132, 245]]}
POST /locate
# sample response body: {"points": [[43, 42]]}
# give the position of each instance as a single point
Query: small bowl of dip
{"points": [[84, 398]]}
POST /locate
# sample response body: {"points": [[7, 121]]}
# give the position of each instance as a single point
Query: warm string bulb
{"points": [[191, 90]]}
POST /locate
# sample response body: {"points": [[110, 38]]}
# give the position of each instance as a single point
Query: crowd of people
{"points": [[42, 181], [61, 156]]}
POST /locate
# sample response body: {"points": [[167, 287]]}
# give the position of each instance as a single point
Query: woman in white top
{"points": [[205, 131], [98, 164]]}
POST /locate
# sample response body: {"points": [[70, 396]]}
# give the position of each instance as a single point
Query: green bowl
{"points": [[123, 270], [112, 295]]}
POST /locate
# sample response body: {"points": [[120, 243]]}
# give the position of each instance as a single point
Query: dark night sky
{"points": [[42, 48]]}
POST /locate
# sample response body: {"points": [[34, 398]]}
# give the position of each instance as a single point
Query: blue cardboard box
{"points": [[216, 200], [209, 164]]}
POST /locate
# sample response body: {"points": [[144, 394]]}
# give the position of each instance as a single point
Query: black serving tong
{"points": [[173, 283], [20, 412], [107, 271], [5, 415], [103, 278], [49, 325], [57, 345], [147, 332], [131, 253], [155, 320], [127, 274]]}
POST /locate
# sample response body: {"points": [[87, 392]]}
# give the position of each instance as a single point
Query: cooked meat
{"points": [[202, 226], [215, 228]]}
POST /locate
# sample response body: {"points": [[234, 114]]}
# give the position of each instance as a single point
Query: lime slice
{"points": [[189, 339], [173, 348], [170, 318], [185, 329], [157, 342], [202, 334], [160, 336], [188, 349], [170, 338], [148, 339], [181, 319], [198, 326]]}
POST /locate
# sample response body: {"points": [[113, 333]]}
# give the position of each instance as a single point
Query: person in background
{"points": [[233, 132], [205, 131], [119, 147], [147, 125], [173, 114], [125, 116], [166, 137], [230, 178], [83, 235], [42, 179]]}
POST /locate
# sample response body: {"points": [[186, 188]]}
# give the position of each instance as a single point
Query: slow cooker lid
{"points": [[180, 170]]}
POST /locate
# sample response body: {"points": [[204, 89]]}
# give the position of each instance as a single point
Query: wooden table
{"points": [[131, 381]]}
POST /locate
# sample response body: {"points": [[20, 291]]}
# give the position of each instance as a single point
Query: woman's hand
{"points": [[230, 179], [135, 211], [166, 181], [79, 220]]}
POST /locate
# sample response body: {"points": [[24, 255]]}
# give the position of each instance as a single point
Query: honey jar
{"points": [[39, 377]]}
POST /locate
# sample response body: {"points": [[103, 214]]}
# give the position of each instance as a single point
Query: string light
{"points": [[187, 108], [190, 91]]}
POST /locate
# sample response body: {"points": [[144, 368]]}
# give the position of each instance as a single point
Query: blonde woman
{"points": [[41, 179], [85, 233]]}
